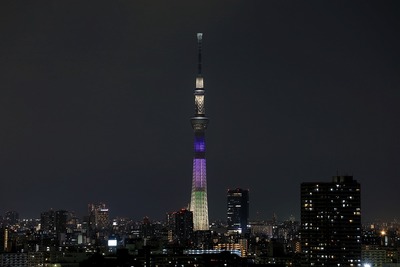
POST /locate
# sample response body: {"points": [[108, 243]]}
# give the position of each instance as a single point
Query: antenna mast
{"points": [[199, 41]]}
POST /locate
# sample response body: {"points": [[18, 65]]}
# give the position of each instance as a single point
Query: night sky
{"points": [[96, 99]]}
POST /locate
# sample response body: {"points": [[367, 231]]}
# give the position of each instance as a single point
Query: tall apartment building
{"points": [[180, 227], [47, 221], [98, 216], [98, 223], [331, 222], [237, 210]]}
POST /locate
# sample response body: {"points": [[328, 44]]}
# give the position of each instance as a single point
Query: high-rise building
{"points": [[98, 223], [47, 221], [54, 222], [180, 227], [60, 222], [183, 226], [331, 223], [98, 216], [147, 228], [198, 203], [238, 210]]}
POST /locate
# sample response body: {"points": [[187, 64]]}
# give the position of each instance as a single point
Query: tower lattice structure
{"points": [[198, 203]]}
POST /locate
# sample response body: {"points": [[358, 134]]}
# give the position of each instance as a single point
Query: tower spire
{"points": [[199, 41], [199, 78], [198, 203]]}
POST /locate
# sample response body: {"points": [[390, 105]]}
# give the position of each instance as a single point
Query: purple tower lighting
{"points": [[198, 203]]}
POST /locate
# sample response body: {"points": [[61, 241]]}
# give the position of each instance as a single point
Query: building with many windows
{"points": [[237, 210], [98, 216], [331, 222], [180, 227]]}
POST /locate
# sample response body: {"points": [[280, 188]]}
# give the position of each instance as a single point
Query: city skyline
{"points": [[96, 97]]}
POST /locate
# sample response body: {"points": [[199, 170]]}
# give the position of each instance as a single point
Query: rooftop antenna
{"points": [[199, 41]]}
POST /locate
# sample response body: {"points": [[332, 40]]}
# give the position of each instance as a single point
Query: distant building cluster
{"points": [[329, 234]]}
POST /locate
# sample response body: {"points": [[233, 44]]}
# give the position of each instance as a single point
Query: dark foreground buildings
{"points": [[331, 223]]}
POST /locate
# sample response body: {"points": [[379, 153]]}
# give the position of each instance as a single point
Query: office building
{"points": [[238, 210], [98, 216], [47, 221], [331, 222], [180, 227], [183, 226]]}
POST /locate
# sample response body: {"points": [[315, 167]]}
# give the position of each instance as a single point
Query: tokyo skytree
{"points": [[198, 203]]}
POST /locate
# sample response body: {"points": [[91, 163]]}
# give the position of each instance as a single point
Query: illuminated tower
{"points": [[198, 203]]}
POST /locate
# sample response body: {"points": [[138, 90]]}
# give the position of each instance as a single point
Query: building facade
{"points": [[181, 225], [237, 215], [331, 223], [98, 216], [98, 224]]}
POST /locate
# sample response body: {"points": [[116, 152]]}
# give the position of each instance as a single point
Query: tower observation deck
{"points": [[198, 203]]}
